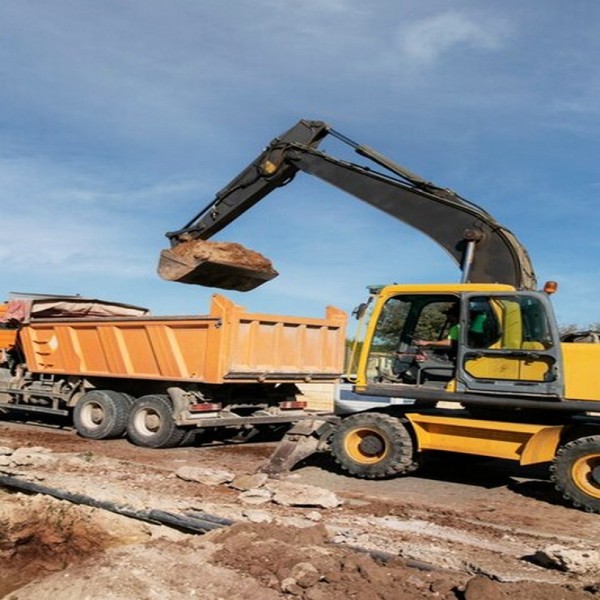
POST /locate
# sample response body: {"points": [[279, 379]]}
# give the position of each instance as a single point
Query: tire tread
{"points": [[170, 434], [560, 472], [400, 461]]}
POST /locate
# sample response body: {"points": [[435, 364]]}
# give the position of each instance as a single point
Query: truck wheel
{"points": [[373, 446], [101, 414], [576, 472], [151, 423]]}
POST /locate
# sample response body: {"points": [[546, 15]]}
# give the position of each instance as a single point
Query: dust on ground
{"points": [[435, 536]]}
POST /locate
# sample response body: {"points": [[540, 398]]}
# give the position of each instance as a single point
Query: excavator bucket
{"points": [[224, 265]]}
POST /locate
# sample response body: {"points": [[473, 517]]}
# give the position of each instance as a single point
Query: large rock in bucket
{"points": [[224, 265]]}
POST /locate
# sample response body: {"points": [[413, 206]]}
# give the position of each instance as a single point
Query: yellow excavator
{"points": [[476, 367]]}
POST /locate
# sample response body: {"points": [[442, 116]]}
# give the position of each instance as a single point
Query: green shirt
{"points": [[454, 332]]}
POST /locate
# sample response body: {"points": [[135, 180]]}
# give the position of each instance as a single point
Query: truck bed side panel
{"points": [[284, 348], [139, 348], [8, 335], [228, 345]]}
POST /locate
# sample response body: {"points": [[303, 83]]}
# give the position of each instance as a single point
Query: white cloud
{"points": [[427, 40]]}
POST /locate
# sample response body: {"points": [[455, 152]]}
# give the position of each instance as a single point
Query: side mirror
{"points": [[359, 312]]}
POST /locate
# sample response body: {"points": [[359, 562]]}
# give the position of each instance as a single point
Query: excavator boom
{"points": [[484, 250]]}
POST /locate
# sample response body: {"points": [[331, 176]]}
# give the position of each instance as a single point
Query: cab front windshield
{"points": [[402, 321]]}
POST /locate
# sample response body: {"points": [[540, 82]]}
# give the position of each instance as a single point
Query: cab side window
{"points": [[508, 322], [483, 328]]}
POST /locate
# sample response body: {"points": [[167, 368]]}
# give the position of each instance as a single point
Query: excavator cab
{"points": [[516, 348], [506, 341]]}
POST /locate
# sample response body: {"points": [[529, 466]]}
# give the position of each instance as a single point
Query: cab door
{"points": [[509, 343]]}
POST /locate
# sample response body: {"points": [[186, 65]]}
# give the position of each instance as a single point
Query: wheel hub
{"points": [[586, 474], [152, 421], [92, 415], [595, 475], [371, 445], [97, 415], [365, 445]]}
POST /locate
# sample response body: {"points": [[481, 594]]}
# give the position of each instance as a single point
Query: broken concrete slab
{"points": [[205, 476], [255, 496], [249, 482], [572, 560], [34, 456], [293, 494], [257, 516]]}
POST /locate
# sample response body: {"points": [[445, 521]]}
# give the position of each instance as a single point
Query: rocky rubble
{"points": [[572, 560], [290, 540]]}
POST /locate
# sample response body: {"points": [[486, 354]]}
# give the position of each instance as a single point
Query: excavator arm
{"points": [[485, 251], [264, 174]]}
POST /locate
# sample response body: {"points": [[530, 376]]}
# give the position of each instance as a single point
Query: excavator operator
{"points": [[450, 342]]}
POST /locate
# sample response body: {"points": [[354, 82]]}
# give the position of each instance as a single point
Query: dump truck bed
{"points": [[227, 345], [8, 332]]}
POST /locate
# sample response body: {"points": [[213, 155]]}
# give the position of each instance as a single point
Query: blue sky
{"points": [[120, 119]]}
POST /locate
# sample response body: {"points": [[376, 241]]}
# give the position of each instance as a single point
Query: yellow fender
{"points": [[523, 442]]}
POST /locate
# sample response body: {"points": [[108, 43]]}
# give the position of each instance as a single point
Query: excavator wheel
{"points": [[374, 446], [576, 472]]}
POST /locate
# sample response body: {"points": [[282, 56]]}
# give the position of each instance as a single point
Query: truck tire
{"points": [[102, 414], [374, 446], [151, 423], [575, 472]]}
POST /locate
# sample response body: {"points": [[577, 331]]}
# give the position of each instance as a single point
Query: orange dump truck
{"points": [[116, 368]]}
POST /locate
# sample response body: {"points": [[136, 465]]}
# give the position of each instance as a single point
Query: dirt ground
{"points": [[460, 529]]}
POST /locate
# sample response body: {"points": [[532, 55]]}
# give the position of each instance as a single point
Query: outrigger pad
{"points": [[225, 265]]}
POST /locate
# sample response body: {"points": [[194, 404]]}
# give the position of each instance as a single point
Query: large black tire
{"points": [[374, 446], [151, 423], [102, 414], [576, 472]]}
